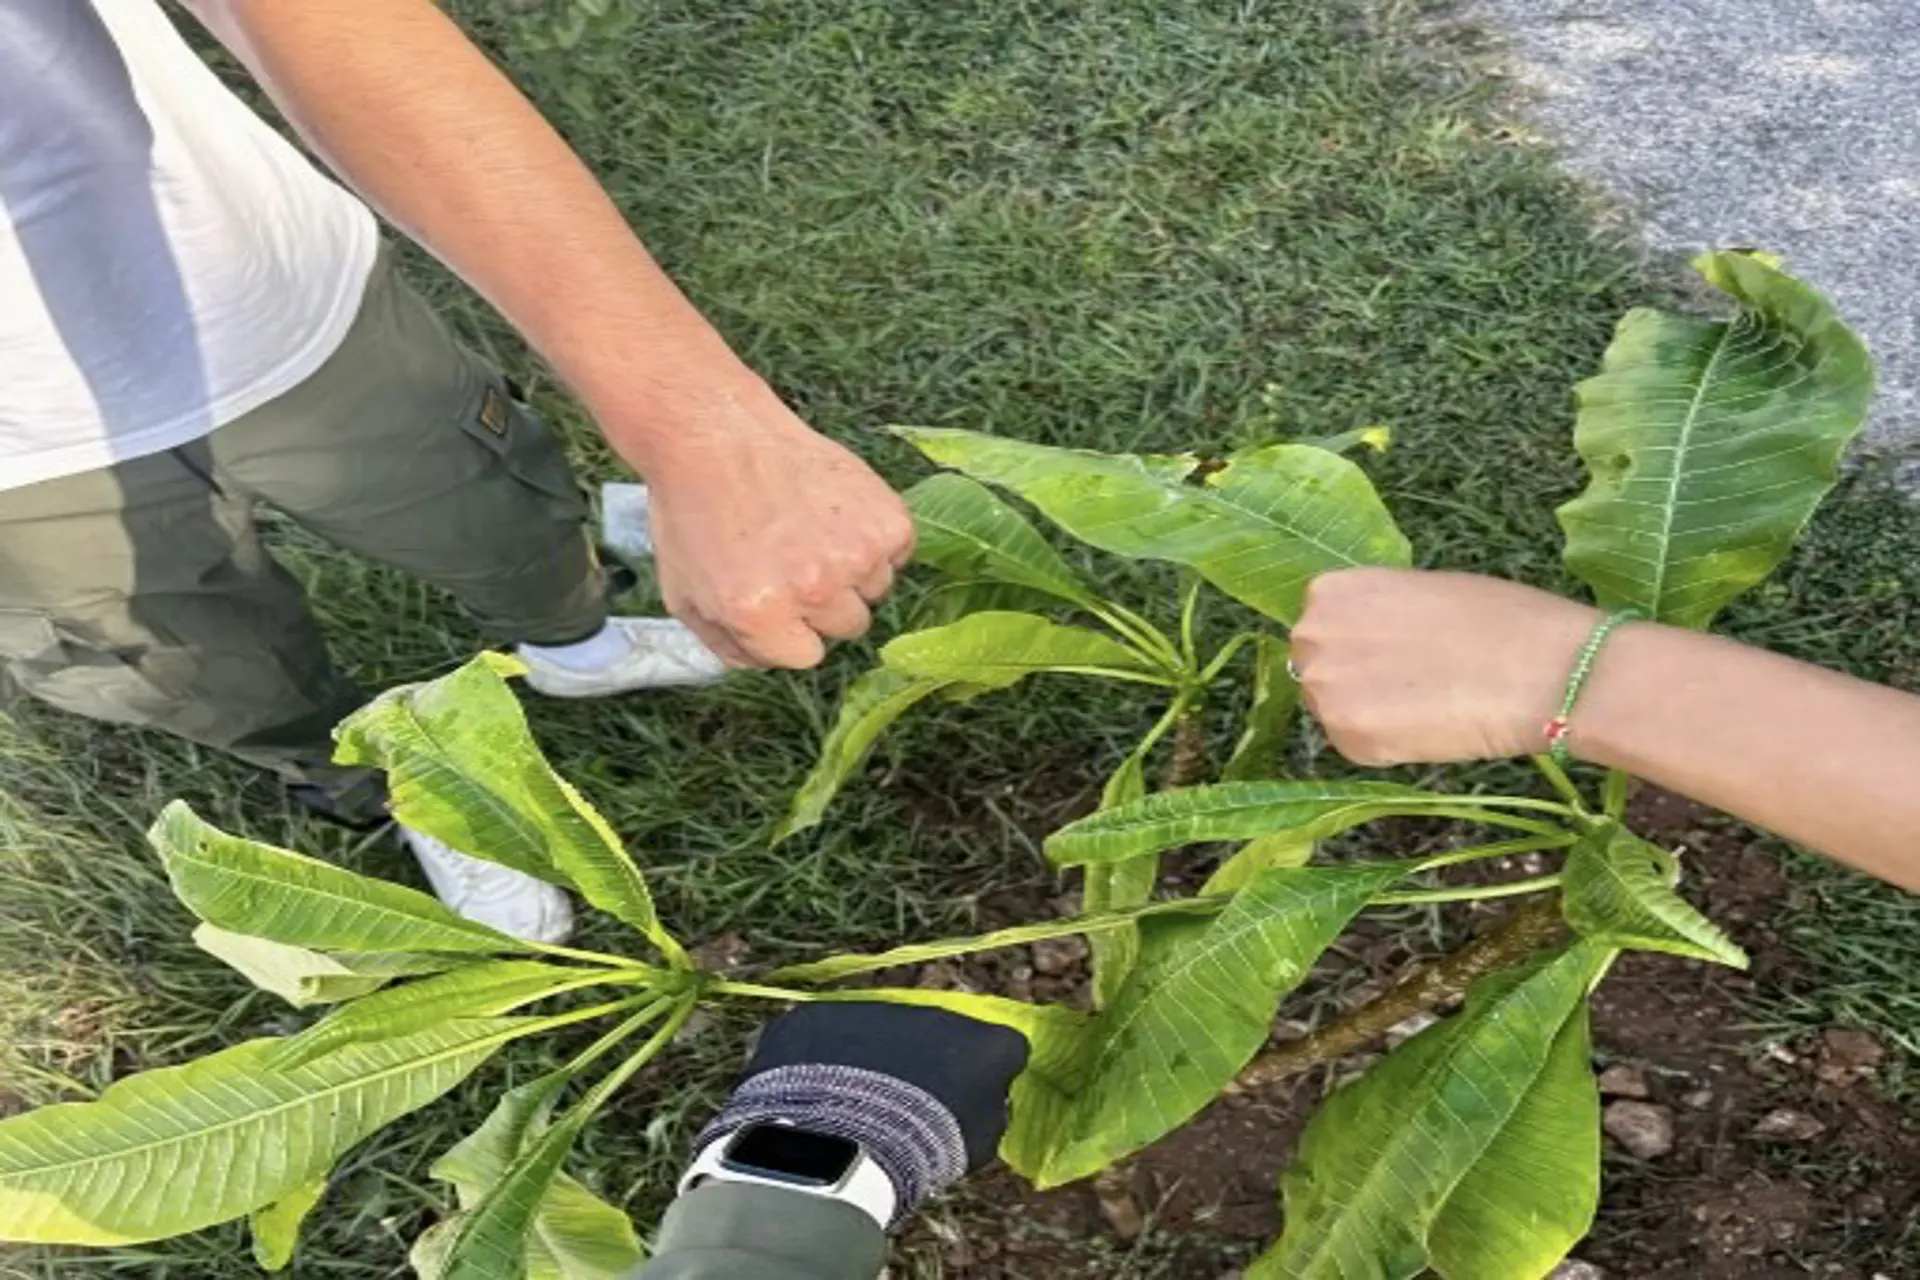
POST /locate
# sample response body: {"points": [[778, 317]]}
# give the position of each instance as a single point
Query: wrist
{"points": [[907, 1136], [1542, 667], [1594, 731]]}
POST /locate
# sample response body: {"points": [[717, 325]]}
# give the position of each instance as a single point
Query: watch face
{"points": [[785, 1154]]}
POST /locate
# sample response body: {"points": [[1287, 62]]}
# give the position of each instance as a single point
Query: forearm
{"points": [[736, 1232], [411, 114], [1821, 758]]}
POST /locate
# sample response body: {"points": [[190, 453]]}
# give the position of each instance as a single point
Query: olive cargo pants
{"points": [[141, 593]]}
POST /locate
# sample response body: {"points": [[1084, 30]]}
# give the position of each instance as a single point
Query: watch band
{"points": [[865, 1185]]}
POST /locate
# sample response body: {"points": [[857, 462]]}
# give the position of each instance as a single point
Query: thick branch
{"points": [[1441, 983], [1188, 765]]}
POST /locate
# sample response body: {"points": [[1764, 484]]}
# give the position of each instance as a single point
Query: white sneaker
{"points": [[487, 893], [652, 653]]}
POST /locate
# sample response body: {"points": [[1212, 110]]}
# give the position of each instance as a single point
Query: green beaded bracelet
{"points": [[1558, 727]]}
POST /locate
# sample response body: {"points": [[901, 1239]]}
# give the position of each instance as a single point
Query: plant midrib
{"points": [[1681, 447], [474, 1046]]}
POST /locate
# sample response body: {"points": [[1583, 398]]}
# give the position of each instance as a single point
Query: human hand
{"points": [[772, 539], [1402, 665], [922, 1091]]}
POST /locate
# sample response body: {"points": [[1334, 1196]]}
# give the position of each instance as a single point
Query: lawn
{"points": [[1139, 224]]}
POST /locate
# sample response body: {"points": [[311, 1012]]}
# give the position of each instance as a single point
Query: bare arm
{"points": [[1403, 666], [770, 536]]}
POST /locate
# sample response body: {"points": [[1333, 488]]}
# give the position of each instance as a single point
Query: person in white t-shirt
{"points": [[194, 321]]}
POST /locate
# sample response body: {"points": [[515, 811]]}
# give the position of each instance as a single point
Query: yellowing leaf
{"points": [[1618, 888], [255, 889], [463, 767]]}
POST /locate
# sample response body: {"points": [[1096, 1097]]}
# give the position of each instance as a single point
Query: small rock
{"points": [[1698, 1100], [943, 976], [1868, 1206], [1409, 1027], [1058, 955], [1789, 1126], [1363, 994], [1287, 1030], [698, 1024], [1574, 1269], [1847, 1056], [1624, 1080], [1643, 1128], [1118, 1205], [725, 953]]}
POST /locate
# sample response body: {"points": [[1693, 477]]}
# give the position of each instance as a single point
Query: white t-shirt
{"points": [[167, 261]]}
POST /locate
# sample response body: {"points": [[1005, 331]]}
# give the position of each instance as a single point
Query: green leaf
{"points": [[256, 889], [174, 1150], [574, 1235], [1196, 1009], [483, 989], [1276, 697], [1533, 1192], [492, 1240], [834, 968], [1618, 888], [1259, 526], [966, 532], [1117, 885], [996, 650], [1265, 854], [463, 767], [276, 1228], [1710, 442], [871, 704], [302, 977], [1057, 1038], [1450, 1116], [1238, 811], [953, 601]]}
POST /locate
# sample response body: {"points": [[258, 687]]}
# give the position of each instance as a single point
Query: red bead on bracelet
{"points": [[1556, 730]]}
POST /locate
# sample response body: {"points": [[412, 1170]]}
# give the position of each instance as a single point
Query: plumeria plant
{"points": [[1472, 1149]]}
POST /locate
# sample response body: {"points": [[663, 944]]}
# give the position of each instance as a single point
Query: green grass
{"points": [[1148, 223]]}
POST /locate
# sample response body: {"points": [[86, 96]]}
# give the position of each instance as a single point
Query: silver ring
{"points": [[1293, 672]]}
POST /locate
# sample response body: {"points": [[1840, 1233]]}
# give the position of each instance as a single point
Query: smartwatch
{"points": [[778, 1154]]}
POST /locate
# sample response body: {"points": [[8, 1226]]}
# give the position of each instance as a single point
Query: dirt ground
{"points": [[1781, 1161]]}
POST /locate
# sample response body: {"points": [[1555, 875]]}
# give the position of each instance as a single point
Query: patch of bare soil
{"points": [[1726, 1158]]}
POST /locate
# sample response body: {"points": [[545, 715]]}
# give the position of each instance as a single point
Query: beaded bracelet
{"points": [[1582, 668]]}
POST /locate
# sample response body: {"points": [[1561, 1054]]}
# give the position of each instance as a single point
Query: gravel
{"points": [[1789, 125]]}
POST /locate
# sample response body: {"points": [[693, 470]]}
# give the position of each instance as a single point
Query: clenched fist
{"points": [[772, 539], [1405, 666]]}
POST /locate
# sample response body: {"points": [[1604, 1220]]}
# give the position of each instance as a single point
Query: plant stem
{"points": [[1551, 770], [1115, 673], [1222, 658], [1498, 849], [599, 1048], [1442, 983], [604, 1088], [599, 958], [758, 991], [1613, 794], [1143, 634], [1488, 818], [1189, 613], [1189, 762], [836, 967], [1468, 893]]}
